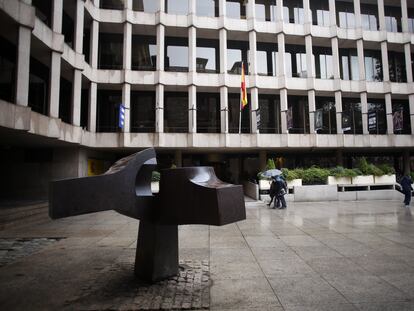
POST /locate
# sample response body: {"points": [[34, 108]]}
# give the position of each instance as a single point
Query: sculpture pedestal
{"points": [[157, 251]]}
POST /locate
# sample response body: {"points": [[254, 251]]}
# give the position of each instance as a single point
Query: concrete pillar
{"points": [[279, 10], [192, 109], [406, 162], [192, 7], [357, 10], [23, 61], [57, 11], [251, 9], [126, 102], [254, 95], [280, 65], [161, 5], [160, 47], [312, 108], [388, 113], [361, 59], [404, 15], [283, 110], [54, 84], [364, 111], [223, 50], [178, 158], [80, 9], [309, 57], [76, 97], [222, 8], [384, 59], [335, 58], [338, 108], [159, 108], [332, 12], [409, 70], [93, 56], [307, 12], [381, 14], [127, 48], [411, 103], [252, 53], [128, 4], [339, 157], [93, 89], [192, 49], [262, 160], [224, 110]]}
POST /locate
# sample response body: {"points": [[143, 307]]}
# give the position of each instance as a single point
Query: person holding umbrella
{"points": [[406, 187], [280, 191]]}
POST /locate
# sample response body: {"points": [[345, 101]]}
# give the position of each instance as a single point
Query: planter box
{"points": [[363, 180], [385, 179], [264, 184], [294, 182], [339, 180]]}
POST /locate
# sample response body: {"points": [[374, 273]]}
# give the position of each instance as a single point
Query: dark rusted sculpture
{"points": [[191, 195]]}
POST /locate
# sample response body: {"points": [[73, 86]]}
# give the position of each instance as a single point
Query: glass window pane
{"points": [[286, 14], [322, 61], [177, 57], [234, 58], [233, 9], [342, 20], [369, 69], [354, 68], [345, 68], [148, 6], [373, 22], [179, 7], [288, 64], [206, 59], [260, 12], [274, 63], [365, 22], [350, 20], [262, 62], [206, 8]]}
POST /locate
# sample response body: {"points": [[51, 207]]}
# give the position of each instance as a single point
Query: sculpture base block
{"points": [[157, 251]]}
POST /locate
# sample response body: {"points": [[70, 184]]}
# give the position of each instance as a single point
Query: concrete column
{"points": [[338, 108], [307, 12], [93, 56], [127, 49], [178, 158], [159, 108], [409, 70], [262, 160], [384, 59], [192, 49], [254, 95], [251, 9], [126, 102], [283, 110], [309, 57], [361, 59], [364, 111], [381, 14], [339, 157], [161, 5], [279, 10], [80, 9], [128, 4], [222, 8], [280, 66], [192, 5], [404, 15], [388, 113], [54, 84], [160, 47], [192, 109], [406, 162], [335, 58], [23, 61], [223, 50], [93, 89], [332, 12], [411, 103], [76, 97], [253, 53], [357, 10], [224, 110], [312, 108], [57, 11]]}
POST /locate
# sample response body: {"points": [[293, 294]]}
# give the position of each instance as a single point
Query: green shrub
{"points": [[155, 176], [270, 164], [368, 168], [339, 171], [387, 169], [290, 174], [315, 175]]}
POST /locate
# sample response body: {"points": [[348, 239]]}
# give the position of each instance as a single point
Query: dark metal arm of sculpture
{"points": [[192, 195]]}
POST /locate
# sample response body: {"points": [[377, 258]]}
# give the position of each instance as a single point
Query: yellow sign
{"points": [[95, 167]]}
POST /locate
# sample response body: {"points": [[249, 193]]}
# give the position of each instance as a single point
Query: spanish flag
{"points": [[243, 91]]}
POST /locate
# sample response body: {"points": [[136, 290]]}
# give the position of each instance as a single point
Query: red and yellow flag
{"points": [[243, 91]]}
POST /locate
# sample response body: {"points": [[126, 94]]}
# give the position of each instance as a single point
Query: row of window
{"points": [[144, 55]]}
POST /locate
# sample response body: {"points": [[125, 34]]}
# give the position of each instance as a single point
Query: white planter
{"points": [[264, 184], [385, 179], [363, 180], [332, 180], [155, 186], [294, 182]]}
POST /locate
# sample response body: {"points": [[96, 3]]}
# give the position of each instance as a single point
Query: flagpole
{"points": [[240, 105]]}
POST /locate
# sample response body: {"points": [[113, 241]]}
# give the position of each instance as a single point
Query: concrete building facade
{"points": [[327, 81]]}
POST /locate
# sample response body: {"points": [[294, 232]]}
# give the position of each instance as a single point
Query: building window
{"points": [[142, 112], [345, 14], [208, 8], [369, 15], [236, 54], [110, 51], [144, 53], [84, 108], [293, 12], [38, 86], [377, 122], [323, 62], [351, 116], [148, 6], [179, 7], [65, 100], [265, 10], [401, 116], [112, 4], [269, 107], [208, 54], [234, 114], [236, 9], [108, 110], [87, 40], [7, 70], [43, 10], [411, 20], [320, 13], [176, 112], [295, 61], [176, 57], [266, 58], [325, 115], [393, 19], [396, 62], [68, 29], [208, 113], [349, 64], [373, 65], [298, 115]]}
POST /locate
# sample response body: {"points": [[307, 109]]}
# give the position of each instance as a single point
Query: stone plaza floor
{"points": [[313, 256]]}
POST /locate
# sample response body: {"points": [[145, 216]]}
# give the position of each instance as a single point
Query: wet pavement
{"points": [[311, 256]]}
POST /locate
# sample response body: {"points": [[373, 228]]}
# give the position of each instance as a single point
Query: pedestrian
{"points": [[280, 192], [406, 183], [272, 191]]}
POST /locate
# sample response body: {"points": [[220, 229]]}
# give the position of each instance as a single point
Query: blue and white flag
{"points": [[121, 116]]}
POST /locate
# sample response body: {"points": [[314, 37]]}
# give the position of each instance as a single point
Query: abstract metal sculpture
{"points": [[191, 195]]}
